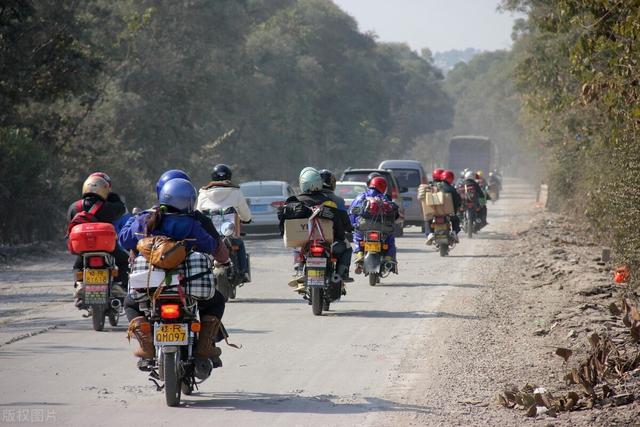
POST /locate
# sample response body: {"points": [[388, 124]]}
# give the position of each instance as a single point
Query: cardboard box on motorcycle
{"points": [[296, 232], [437, 204]]}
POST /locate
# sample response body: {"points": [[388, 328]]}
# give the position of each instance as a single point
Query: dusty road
{"points": [[371, 360]]}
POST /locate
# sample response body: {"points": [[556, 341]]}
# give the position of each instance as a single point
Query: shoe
{"points": [[205, 346], [146, 365], [347, 279], [301, 288], [359, 260], [246, 278], [78, 291], [118, 291], [430, 238], [141, 329], [296, 280]]}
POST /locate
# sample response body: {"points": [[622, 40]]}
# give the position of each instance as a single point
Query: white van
{"points": [[409, 174]]}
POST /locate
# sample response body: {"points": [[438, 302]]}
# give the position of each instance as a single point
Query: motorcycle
{"points": [[443, 235], [374, 249], [468, 214], [229, 278]]}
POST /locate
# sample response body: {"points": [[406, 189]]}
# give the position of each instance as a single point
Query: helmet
{"points": [[437, 174], [328, 179], [168, 176], [371, 176], [379, 183], [310, 180], [221, 172], [103, 176], [469, 175], [178, 193], [95, 186], [448, 176], [479, 174]]}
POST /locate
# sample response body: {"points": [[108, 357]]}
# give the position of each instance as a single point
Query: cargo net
{"points": [[376, 214]]}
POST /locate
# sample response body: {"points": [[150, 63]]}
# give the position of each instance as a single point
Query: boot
{"points": [[298, 275], [359, 261], [206, 346], [141, 329]]}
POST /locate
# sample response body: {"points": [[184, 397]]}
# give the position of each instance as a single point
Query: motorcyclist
{"points": [[377, 187], [174, 218], [470, 180], [97, 188], [443, 180], [311, 185], [436, 175], [484, 197], [221, 193]]}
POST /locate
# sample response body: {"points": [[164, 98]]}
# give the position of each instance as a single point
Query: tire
{"points": [[97, 316], [373, 279], [444, 250], [398, 230], [423, 228], [113, 316], [317, 300], [172, 380], [470, 224]]}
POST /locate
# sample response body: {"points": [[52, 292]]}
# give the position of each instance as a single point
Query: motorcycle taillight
{"points": [[374, 235], [170, 311], [316, 250], [96, 261]]}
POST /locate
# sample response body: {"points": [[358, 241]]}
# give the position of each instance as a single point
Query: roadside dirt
{"points": [[547, 287]]}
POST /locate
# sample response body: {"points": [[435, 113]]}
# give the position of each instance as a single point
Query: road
{"points": [[367, 362]]}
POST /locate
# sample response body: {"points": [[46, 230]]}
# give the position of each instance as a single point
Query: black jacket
{"points": [[112, 208], [457, 200]]}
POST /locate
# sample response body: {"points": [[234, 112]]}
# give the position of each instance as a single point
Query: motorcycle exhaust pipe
{"points": [[335, 278], [388, 266], [116, 304]]}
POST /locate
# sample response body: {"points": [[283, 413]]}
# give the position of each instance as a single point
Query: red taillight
{"points": [[394, 193], [170, 311], [316, 250], [374, 235], [96, 261], [277, 204]]}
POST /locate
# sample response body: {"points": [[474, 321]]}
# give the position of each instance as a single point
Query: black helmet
{"points": [[371, 176], [328, 179], [221, 172]]}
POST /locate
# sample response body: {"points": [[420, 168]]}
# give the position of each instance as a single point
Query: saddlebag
{"points": [[437, 204], [92, 237]]}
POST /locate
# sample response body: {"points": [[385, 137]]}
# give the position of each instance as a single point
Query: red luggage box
{"points": [[92, 237]]}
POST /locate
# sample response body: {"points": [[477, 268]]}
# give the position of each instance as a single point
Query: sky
{"points": [[439, 25]]}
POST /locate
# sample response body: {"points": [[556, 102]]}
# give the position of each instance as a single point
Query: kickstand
{"points": [[154, 377]]}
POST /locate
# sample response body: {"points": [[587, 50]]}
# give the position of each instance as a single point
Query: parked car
{"points": [[393, 189], [409, 174], [264, 199], [349, 190]]}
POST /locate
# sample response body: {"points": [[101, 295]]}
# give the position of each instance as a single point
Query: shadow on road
{"points": [[265, 301], [382, 314], [477, 256], [293, 403], [427, 285]]}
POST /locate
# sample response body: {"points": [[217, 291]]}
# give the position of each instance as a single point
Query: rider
{"points": [[484, 197], [97, 188], [311, 185], [174, 218], [447, 186], [377, 187], [222, 194], [469, 180]]}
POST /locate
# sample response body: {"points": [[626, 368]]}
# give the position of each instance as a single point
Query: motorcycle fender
{"points": [[372, 262], [170, 349]]}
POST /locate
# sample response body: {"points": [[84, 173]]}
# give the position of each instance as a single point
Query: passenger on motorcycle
{"points": [[221, 193], [484, 197], [329, 187], [97, 189], [470, 181], [311, 185], [377, 188], [445, 184], [174, 218]]}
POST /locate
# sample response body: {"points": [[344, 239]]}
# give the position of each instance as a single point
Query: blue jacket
{"points": [[358, 201], [175, 226]]}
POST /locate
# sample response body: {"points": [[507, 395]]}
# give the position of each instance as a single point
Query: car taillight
{"points": [[316, 250], [374, 235], [96, 261], [170, 311], [277, 204]]}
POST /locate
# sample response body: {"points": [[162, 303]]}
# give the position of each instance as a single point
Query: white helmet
{"points": [[469, 175]]}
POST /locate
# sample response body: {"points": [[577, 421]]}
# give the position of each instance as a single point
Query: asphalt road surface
{"points": [[368, 361]]}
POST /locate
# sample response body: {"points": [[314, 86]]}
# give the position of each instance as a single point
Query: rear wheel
{"points": [[470, 224], [317, 300], [172, 382], [97, 316], [444, 250], [114, 316], [373, 279]]}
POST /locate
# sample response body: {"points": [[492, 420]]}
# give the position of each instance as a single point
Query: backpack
{"points": [[82, 216], [379, 209]]}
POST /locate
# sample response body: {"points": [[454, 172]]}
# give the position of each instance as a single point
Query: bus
{"points": [[473, 152]]}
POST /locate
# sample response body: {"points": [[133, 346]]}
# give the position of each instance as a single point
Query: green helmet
{"points": [[310, 180]]}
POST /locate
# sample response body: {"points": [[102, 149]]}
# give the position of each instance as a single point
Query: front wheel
{"points": [[444, 250], [317, 300], [172, 381], [373, 279], [97, 316]]}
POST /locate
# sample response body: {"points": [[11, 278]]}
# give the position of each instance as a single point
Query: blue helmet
{"points": [[168, 176], [178, 193]]}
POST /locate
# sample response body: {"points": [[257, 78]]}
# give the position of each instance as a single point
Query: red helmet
{"points": [[379, 183], [437, 174], [448, 176]]}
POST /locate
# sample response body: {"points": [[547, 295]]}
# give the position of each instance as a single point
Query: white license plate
{"points": [[319, 262], [259, 208], [171, 334]]}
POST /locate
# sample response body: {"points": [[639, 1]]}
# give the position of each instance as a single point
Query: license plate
{"points": [[96, 277], [259, 208], [316, 262], [372, 246], [95, 294], [315, 276], [406, 204], [171, 334]]}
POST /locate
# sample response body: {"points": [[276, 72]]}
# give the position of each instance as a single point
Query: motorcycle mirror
{"points": [[227, 228]]}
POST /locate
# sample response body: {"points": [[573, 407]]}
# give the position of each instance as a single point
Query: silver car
{"points": [[349, 190], [409, 174], [264, 199]]}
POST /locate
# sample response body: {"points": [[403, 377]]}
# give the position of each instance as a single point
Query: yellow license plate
{"points": [[171, 334], [96, 277], [372, 246]]}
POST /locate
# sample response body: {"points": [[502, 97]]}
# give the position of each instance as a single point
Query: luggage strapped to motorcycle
{"points": [[314, 224]]}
